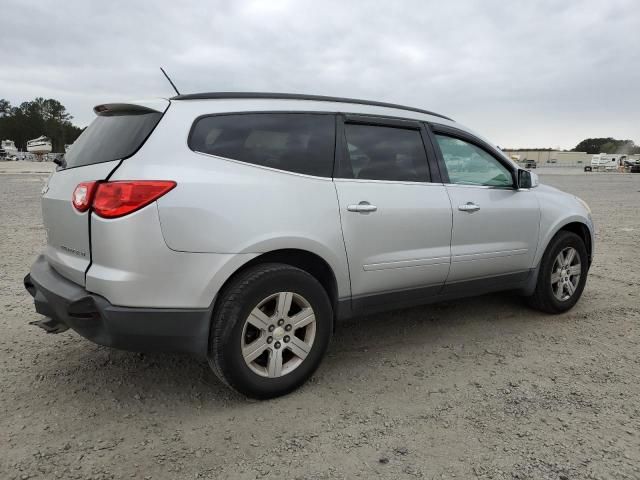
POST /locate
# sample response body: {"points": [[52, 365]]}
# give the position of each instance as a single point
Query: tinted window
{"points": [[111, 137], [385, 153], [302, 143], [470, 165]]}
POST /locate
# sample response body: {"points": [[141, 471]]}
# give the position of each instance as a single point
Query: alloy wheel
{"points": [[565, 273], [278, 334]]}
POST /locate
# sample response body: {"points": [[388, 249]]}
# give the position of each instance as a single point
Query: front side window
{"points": [[384, 153], [468, 164], [296, 142]]}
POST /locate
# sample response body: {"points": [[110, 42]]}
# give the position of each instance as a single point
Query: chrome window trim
{"points": [[492, 187], [398, 182]]}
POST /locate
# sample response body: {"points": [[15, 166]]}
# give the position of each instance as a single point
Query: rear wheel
{"points": [[562, 275], [270, 329]]}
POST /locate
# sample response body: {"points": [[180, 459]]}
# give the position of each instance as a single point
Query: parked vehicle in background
{"points": [[9, 147], [241, 227], [40, 145], [632, 165], [530, 164], [604, 161]]}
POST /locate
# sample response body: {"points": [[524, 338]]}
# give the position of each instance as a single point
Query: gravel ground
{"points": [[479, 388]]}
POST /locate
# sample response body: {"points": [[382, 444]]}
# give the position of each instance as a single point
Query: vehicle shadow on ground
{"points": [[184, 379]]}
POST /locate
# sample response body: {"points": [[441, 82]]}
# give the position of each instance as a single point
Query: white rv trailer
{"points": [[604, 161]]}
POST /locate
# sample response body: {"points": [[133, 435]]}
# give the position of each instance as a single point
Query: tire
{"points": [[257, 292], [587, 169], [545, 296]]}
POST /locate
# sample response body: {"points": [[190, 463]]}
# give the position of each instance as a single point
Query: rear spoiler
{"points": [[138, 108]]}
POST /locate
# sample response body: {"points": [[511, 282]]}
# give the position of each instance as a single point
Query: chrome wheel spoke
{"points": [[299, 348], [284, 304], [559, 290], [258, 319], [570, 287], [560, 259], [569, 256], [254, 349], [555, 277], [274, 367], [302, 319], [575, 269]]}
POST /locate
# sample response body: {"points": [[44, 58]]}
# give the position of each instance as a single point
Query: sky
{"points": [[543, 73]]}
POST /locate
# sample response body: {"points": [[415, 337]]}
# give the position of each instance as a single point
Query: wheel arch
{"points": [[310, 262], [574, 225], [582, 230]]}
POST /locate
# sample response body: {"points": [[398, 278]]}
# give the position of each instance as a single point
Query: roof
{"points": [[297, 96]]}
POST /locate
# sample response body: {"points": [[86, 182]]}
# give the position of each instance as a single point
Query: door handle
{"points": [[362, 207], [469, 207]]}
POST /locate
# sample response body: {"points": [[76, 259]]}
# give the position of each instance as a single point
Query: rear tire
{"points": [[562, 275], [270, 330]]}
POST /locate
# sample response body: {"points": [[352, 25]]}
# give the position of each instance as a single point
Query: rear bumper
{"points": [[92, 316]]}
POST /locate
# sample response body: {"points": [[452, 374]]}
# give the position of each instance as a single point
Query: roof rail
{"points": [[297, 96]]}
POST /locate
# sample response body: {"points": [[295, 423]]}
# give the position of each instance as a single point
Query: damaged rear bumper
{"points": [[68, 305]]}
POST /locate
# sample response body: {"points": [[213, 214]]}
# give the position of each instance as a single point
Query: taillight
{"points": [[83, 195], [116, 199]]}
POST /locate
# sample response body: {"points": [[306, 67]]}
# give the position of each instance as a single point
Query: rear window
{"points": [[296, 142], [111, 137]]}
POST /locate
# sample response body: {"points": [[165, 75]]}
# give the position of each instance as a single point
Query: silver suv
{"points": [[241, 227]]}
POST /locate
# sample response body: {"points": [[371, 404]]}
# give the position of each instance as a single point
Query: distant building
{"points": [[553, 157]]}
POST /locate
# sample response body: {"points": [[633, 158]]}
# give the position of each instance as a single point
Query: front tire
{"points": [[270, 330], [562, 275]]}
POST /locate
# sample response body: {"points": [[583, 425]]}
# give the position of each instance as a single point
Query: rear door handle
{"points": [[469, 207], [362, 207]]}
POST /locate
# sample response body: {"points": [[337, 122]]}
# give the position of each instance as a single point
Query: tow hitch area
{"points": [[50, 325]]}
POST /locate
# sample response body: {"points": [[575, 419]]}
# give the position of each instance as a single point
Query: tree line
{"points": [[607, 145], [593, 146], [38, 117]]}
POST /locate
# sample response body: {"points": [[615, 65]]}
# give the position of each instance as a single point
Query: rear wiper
{"points": [[61, 162]]}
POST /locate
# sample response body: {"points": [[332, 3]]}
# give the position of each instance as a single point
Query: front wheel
{"points": [[270, 329], [562, 274]]}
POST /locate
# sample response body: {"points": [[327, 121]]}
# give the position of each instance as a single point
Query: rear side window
{"points": [[111, 137], [385, 153], [296, 142]]}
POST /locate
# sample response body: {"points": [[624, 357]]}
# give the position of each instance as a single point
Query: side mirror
{"points": [[527, 179]]}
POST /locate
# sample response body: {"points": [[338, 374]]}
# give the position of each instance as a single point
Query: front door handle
{"points": [[362, 207], [469, 207]]}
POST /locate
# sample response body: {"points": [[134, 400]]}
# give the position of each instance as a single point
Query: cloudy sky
{"points": [[523, 73]]}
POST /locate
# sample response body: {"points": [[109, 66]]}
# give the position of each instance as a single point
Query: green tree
{"points": [[35, 118], [607, 145], [5, 107]]}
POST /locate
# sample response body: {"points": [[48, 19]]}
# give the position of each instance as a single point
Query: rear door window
{"points": [[385, 153], [111, 137], [296, 142]]}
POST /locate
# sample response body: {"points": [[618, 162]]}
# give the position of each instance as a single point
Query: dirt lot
{"points": [[481, 388]]}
